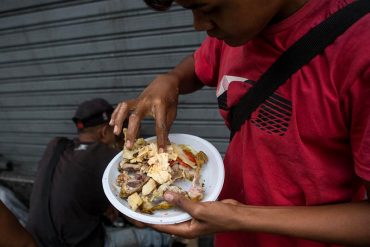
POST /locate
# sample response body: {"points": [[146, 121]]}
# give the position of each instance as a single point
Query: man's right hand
{"points": [[158, 100]]}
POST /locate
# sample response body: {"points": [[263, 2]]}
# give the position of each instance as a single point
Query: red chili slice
{"points": [[182, 163], [190, 155]]}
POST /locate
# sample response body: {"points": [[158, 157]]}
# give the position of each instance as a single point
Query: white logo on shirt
{"points": [[225, 82], [81, 147]]}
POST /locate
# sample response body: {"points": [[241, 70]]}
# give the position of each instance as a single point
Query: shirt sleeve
{"points": [[360, 124], [207, 60]]}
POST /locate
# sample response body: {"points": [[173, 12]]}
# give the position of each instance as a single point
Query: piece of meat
{"points": [[201, 158], [196, 190], [177, 173], [128, 167], [133, 184]]}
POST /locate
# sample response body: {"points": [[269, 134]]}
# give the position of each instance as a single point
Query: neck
{"points": [[87, 137]]}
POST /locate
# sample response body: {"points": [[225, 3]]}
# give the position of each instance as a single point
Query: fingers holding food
{"points": [[161, 127]]}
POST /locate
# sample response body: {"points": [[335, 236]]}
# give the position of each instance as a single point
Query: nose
{"points": [[201, 22]]}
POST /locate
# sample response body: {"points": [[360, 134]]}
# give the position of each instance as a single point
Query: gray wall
{"points": [[56, 54]]}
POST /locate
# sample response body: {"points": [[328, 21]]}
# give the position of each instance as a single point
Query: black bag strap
{"points": [[295, 57], [47, 184]]}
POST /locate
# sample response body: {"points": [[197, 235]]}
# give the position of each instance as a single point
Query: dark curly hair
{"points": [[160, 5]]}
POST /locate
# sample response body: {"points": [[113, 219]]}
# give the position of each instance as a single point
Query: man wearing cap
{"points": [[68, 202]]}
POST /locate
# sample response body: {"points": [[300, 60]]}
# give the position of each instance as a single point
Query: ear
{"points": [[106, 134], [104, 131], [100, 133]]}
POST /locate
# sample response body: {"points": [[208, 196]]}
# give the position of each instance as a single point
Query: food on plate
{"points": [[145, 174]]}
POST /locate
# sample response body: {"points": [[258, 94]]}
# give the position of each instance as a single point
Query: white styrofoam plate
{"points": [[212, 175]]}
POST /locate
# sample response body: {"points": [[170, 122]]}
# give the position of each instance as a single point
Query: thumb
{"points": [[179, 201]]}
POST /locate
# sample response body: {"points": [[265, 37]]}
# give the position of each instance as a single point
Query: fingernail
{"points": [[160, 150], [168, 197], [128, 144], [116, 130], [111, 122]]}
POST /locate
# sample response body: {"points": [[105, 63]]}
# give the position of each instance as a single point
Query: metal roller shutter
{"points": [[56, 54]]}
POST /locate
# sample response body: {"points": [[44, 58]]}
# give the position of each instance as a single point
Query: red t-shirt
{"points": [[309, 143]]}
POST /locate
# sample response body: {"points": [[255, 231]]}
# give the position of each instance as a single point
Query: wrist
{"points": [[172, 80], [251, 218]]}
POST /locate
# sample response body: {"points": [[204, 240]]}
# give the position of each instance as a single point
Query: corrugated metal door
{"points": [[56, 54]]}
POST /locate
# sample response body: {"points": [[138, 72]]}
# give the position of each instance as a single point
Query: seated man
{"points": [[68, 202]]}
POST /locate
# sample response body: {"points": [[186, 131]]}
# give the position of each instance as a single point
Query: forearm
{"points": [[186, 78], [13, 234], [340, 224]]}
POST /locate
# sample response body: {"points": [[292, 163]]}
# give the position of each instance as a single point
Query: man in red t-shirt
{"points": [[298, 169]]}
